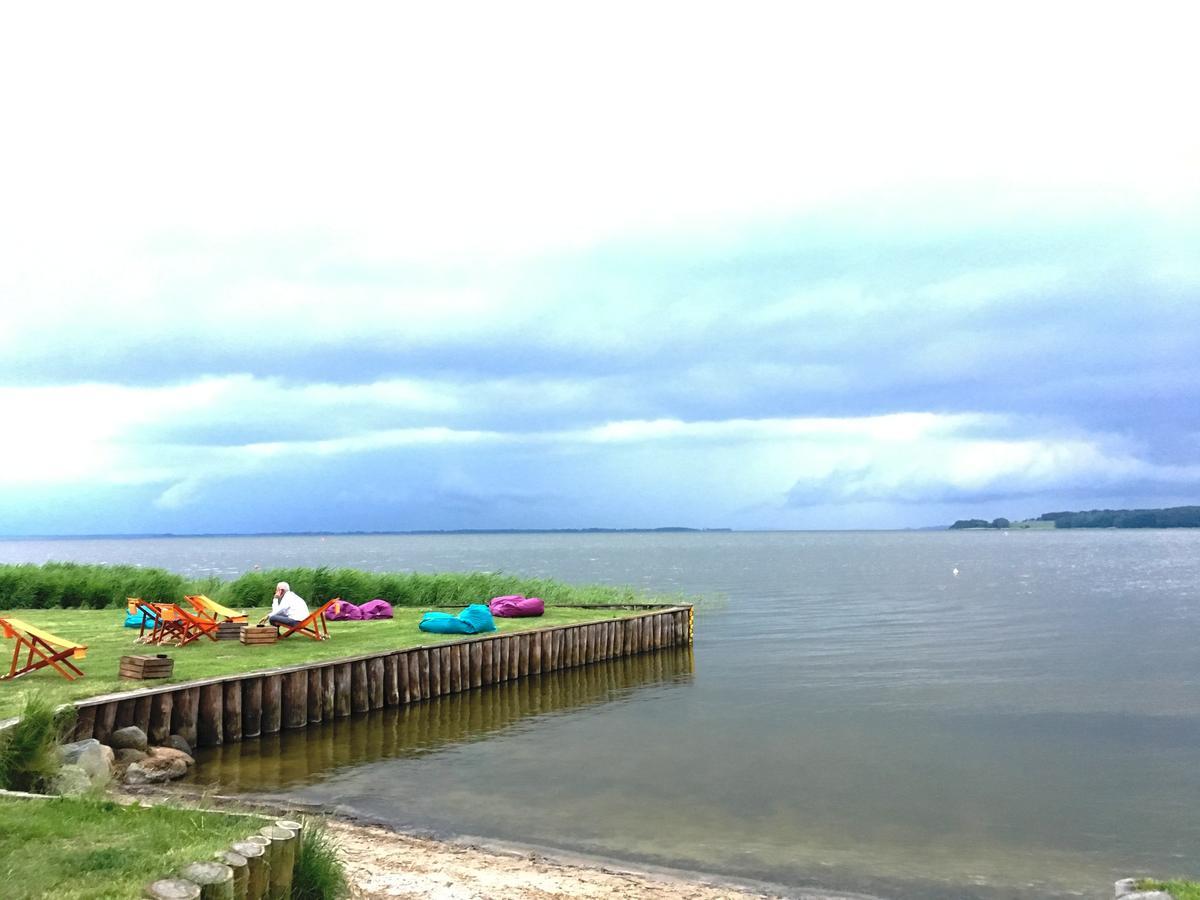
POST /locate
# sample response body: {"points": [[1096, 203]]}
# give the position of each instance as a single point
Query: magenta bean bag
{"points": [[515, 606], [343, 611], [376, 609]]}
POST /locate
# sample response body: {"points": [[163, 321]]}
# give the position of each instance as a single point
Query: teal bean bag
{"points": [[475, 619]]}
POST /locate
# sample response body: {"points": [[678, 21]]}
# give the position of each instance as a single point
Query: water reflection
{"points": [[310, 755]]}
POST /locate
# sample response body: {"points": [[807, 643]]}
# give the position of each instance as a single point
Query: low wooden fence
{"points": [[238, 707]]}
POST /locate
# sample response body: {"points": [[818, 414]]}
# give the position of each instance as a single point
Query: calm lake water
{"points": [[853, 715]]}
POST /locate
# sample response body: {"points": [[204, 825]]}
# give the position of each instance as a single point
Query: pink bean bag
{"points": [[376, 609], [515, 606], [343, 611]]}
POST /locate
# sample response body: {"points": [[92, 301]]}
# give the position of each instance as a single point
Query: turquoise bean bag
{"points": [[134, 620], [475, 619]]}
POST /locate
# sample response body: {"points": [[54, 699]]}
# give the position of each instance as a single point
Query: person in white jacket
{"points": [[288, 608]]}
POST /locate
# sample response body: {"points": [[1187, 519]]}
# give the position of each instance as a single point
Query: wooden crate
{"points": [[230, 631], [259, 634], [142, 667]]}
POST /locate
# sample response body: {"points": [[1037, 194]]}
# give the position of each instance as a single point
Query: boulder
{"points": [[71, 781], [179, 743], [90, 755], [129, 738], [153, 771], [127, 755], [172, 753]]}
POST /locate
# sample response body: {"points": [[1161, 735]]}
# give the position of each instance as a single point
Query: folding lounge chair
{"points": [[195, 626], [45, 649], [174, 625], [313, 626], [212, 609]]}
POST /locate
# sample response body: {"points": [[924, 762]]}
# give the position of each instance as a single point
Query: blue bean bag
{"points": [[134, 620], [473, 620]]}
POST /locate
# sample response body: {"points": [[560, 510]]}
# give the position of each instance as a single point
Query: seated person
{"points": [[287, 608]]}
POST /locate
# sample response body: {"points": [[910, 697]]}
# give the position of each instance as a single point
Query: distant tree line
{"points": [[980, 523], [1174, 517]]}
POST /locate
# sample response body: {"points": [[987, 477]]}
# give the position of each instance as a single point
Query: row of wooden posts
{"points": [[234, 708], [262, 867]]}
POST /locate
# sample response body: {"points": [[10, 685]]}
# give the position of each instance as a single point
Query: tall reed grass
{"points": [[319, 873], [29, 749], [75, 585]]}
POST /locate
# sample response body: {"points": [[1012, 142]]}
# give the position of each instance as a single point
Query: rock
{"points": [[71, 781], [127, 755], [172, 753], [152, 771], [129, 738], [90, 755], [179, 743]]}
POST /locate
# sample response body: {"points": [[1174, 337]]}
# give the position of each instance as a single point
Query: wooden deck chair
{"points": [[194, 626], [212, 609], [313, 626], [164, 625], [44, 649]]}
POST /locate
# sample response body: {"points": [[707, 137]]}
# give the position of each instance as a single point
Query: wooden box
{"points": [[141, 667], [259, 634], [230, 631]]}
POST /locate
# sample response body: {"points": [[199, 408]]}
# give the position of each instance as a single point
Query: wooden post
{"points": [[504, 645], [476, 651], [295, 699], [444, 654], [183, 714], [102, 728], [232, 706], [238, 863], [402, 689], [525, 644], [141, 712], [297, 828], [341, 696], [85, 722], [414, 675], [391, 687], [257, 875], [251, 707], [215, 879], [435, 671], [426, 682], [535, 654], [316, 695], [329, 693], [555, 637], [272, 703], [548, 651], [486, 672], [124, 716], [172, 889], [589, 643], [210, 721], [618, 638], [456, 661], [282, 859], [375, 682], [358, 686]]}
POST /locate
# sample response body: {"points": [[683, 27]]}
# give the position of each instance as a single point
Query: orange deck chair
{"points": [[213, 610], [313, 626], [45, 649], [173, 624]]}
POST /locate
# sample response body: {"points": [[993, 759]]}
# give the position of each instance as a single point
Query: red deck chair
{"points": [[194, 626], [160, 618], [313, 626], [45, 649]]}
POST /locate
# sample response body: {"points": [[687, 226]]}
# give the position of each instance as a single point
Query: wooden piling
{"points": [[141, 712], [402, 677], [231, 704], [476, 663], [257, 876], [359, 698], [214, 878], [444, 654], [295, 699], [435, 671], [414, 675], [423, 672], [272, 703], [282, 858], [240, 867], [210, 716], [183, 714], [172, 889], [456, 656], [391, 686], [486, 672], [375, 686], [341, 692], [316, 696], [251, 707], [329, 694], [85, 722], [123, 717]]}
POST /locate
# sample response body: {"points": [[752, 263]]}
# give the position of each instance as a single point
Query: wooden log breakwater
{"points": [[232, 708]]}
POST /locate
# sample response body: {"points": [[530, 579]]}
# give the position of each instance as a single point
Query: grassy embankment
{"points": [[1180, 890], [90, 603], [96, 849]]}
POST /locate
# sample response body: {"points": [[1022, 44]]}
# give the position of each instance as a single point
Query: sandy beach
{"points": [[382, 863]]}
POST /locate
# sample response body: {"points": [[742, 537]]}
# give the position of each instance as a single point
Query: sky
{"points": [[291, 267]]}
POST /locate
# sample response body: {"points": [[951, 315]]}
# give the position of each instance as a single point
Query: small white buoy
{"points": [[955, 570]]}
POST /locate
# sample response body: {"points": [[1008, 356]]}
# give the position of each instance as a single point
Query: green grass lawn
{"points": [[1180, 890], [92, 848], [107, 640]]}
